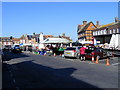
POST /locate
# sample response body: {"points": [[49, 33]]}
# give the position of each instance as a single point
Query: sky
{"points": [[53, 18]]}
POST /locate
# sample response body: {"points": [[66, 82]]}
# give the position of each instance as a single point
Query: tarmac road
{"points": [[35, 71]]}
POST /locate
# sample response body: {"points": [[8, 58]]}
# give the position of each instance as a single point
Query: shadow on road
{"points": [[31, 75], [8, 55]]}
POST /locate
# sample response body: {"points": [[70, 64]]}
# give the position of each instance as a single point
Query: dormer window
{"points": [[92, 26]]}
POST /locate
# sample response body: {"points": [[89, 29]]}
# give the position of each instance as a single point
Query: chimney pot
{"points": [[97, 22], [63, 34], [33, 33], [116, 19], [84, 22]]}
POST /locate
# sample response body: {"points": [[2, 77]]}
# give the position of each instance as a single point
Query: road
{"points": [[28, 70]]}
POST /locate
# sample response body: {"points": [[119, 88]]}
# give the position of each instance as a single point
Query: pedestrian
{"points": [[82, 53]]}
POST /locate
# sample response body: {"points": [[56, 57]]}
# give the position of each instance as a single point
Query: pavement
{"points": [[35, 71]]}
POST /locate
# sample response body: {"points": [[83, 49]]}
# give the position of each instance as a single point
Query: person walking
{"points": [[82, 53]]}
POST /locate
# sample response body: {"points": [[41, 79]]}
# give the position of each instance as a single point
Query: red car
{"points": [[97, 52]]}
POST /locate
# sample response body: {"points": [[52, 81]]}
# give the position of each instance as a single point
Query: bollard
{"points": [[107, 62], [54, 54], [97, 60], [60, 55], [92, 58]]}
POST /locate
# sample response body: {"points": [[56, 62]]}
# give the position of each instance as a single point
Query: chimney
{"points": [[97, 23], [116, 19], [84, 22], [63, 34], [34, 34]]}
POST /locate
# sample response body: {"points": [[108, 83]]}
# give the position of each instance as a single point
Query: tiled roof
{"points": [[107, 25], [16, 39], [84, 27], [22, 37], [48, 35], [4, 37]]}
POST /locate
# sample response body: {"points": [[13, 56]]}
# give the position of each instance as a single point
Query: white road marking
{"points": [[115, 64], [102, 60], [91, 63], [70, 59]]}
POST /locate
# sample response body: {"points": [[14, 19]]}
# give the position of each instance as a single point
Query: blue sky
{"points": [[53, 18]]}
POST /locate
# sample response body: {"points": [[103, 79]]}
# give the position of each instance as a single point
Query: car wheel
{"points": [[65, 57], [78, 57]]}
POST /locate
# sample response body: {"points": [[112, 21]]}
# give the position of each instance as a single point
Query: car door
{"points": [[97, 52]]}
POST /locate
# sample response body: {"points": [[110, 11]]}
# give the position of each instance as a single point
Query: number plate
{"points": [[67, 53]]}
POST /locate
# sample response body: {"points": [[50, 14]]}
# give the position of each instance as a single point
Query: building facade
{"points": [[65, 37], [16, 41], [85, 31], [5, 41], [104, 33]]}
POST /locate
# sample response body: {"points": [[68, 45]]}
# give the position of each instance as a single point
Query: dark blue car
{"points": [[16, 49]]}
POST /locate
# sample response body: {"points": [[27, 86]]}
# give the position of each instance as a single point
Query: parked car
{"points": [[7, 48], [97, 52], [72, 52], [16, 49]]}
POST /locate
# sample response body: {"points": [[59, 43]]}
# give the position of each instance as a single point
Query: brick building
{"points": [[85, 31]]}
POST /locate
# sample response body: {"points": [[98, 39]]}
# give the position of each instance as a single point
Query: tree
{"points": [[11, 37]]}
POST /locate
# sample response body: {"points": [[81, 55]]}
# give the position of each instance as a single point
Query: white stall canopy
{"points": [[115, 41], [55, 40]]}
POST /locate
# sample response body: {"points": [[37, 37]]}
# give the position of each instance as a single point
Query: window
{"points": [[93, 33], [110, 31], [92, 26], [102, 31], [118, 30], [5, 39], [105, 32], [114, 30]]}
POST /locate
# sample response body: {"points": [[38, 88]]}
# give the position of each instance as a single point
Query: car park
{"points": [[72, 52], [96, 52]]}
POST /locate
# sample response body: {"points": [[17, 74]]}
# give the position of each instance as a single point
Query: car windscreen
{"points": [[70, 48], [16, 47], [89, 49]]}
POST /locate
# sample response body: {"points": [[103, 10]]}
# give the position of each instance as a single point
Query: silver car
{"points": [[72, 52]]}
